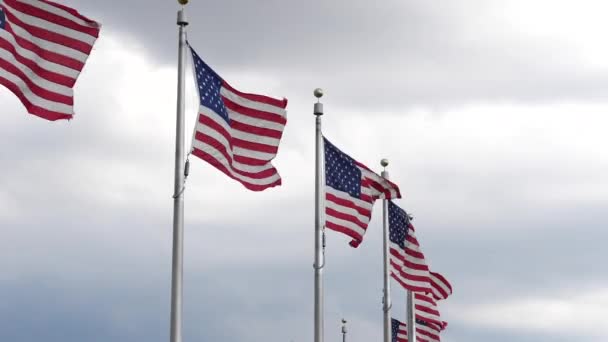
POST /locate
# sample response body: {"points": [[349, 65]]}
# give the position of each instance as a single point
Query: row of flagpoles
{"points": [[43, 48]]}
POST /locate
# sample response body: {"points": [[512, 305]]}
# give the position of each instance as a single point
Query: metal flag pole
{"points": [[319, 229], [386, 300], [178, 194], [411, 318], [344, 330]]}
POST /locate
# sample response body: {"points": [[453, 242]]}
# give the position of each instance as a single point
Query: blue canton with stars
{"points": [[398, 223], [209, 84], [394, 329], [341, 172], [2, 19]]}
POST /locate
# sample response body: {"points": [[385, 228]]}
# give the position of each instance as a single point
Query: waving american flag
{"points": [[350, 191], [43, 48], [407, 262], [236, 132]]}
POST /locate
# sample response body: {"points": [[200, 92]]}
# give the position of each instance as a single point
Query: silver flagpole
{"points": [[178, 197], [344, 330], [386, 300], [411, 318], [319, 232]]}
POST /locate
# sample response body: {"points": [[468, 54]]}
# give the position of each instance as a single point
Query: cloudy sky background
{"points": [[492, 113]]}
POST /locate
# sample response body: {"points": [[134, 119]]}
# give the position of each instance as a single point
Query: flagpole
{"points": [[411, 318], [344, 330], [178, 197], [319, 232], [386, 300]]}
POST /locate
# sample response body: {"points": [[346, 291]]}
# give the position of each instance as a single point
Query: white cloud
{"points": [[571, 313]]}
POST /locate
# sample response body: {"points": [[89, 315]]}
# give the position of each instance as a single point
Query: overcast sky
{"points": [[492, 113]]}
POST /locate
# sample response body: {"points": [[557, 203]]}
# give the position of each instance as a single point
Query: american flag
{"points": [[398, 331], [350, 191], [426, 310], [425, 332], [236, 132], [440, 286], [43, 49], [407, 263]]}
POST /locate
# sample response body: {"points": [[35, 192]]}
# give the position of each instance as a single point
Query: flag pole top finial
{"points": [[384, 162], [183, 2], [318, 93], [318, 106]]}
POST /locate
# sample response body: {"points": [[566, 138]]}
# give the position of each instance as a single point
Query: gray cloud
{"points": [[508, 204], [373, 57]]}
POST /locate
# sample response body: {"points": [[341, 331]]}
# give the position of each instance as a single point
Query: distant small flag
{"points": [[398, 331], [425, 332], [440, 286], [237, 133], [407, 263], [426, 310], [43, 48], [350, 191]]}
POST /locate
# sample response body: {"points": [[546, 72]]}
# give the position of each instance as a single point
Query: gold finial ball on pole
{"points": [[384, 162], [183, 2]]}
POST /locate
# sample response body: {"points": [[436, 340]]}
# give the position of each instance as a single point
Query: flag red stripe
{"points": [[344, 230], [36, 68], [50, 36], [51, 17], [346, 217], [31, 108], [207, 121], [72, 12], [249, 161], [348, 204], [214, 162], [261, 131], [46, 54], [254, 113], [36, 89], [253, 146], [257, 98], [221, 148]]}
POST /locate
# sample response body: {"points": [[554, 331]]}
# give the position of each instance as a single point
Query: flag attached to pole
{"points": [[426, 310], [350, 191], [407, 263], [237, 133], [440, 286], [398, 330], [43, 49], [425, 332]]}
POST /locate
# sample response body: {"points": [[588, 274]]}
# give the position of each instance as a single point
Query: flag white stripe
{"points": [[410, 282], [50, 46], [43, 63], [255, 138], [357, 202], [347, 211], [60, 12], [35, 99], [347, 224], [248, 120], [31, 75], [252, 104], [49, 26], [222, 160], [237, 150]]}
